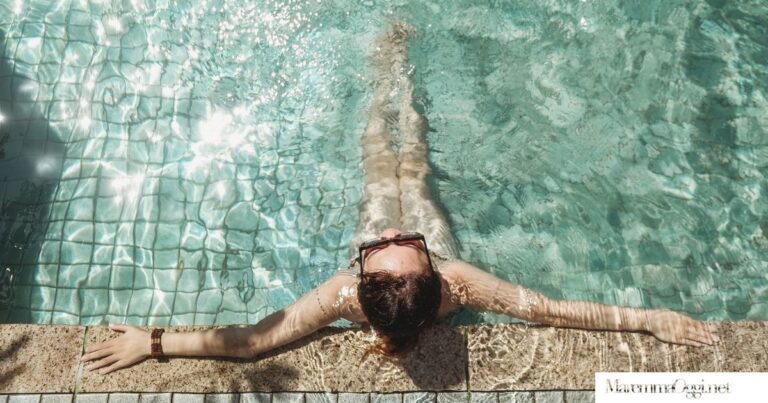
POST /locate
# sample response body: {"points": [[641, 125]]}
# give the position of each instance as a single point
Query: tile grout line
{"points": [[466, 363], [79, 373]]}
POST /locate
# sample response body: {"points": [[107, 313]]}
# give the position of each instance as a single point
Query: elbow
{"points": [[242, 350], [251, 350], [543, 311], [245, 353], [248, 355], [239, 345], [233, 342]]}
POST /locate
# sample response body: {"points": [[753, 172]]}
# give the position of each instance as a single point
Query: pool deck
{"points": [[469, 363]]}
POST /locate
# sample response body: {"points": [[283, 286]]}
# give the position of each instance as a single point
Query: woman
{"points": [[397, 283]]}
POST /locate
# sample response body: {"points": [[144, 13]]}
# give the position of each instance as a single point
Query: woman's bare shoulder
{"points": [[455, 270], [343, 287], [466, 284], [450, 279]]}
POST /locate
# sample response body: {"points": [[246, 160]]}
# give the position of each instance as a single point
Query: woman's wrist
{"points": [[156, 343], [147, 343], [633, 319]]}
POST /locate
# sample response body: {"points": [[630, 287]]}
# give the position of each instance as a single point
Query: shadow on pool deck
{"points": [[8, 374]]}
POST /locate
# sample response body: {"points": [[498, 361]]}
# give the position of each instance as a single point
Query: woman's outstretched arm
{"points": [[484, 291], [316, 309]]}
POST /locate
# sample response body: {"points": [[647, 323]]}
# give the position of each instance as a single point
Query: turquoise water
{"points": [[197, 162]]}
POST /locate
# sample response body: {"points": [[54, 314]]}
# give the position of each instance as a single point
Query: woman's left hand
{"points": [[674, 327]]}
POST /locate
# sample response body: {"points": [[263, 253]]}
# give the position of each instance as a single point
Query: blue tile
{"points": [[57, 398], [353, 398], [255, 398], [287, 398], [483, 397], [386, 397], [419, 397], [123, 398], [187, 398], [516, 397], [155, 398], [582, 396], [222, 398], [453, 397], [549, 397], [321, 397], [23, 398], [91, 398]]}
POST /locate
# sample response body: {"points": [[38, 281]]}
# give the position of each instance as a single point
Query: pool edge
{"points": [[492, 358]]}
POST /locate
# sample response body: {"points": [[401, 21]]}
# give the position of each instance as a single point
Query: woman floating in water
{"points": [[396, 284]]}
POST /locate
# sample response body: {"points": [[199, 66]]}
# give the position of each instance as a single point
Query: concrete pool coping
{"points": [[493, 358]]}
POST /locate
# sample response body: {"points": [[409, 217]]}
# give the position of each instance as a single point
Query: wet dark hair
{"points": [[399, 307]]}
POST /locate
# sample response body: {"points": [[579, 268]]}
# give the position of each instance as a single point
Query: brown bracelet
{"points": [[157, 346]]}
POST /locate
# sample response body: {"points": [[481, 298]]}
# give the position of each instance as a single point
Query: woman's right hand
{"points": [[132, 346]]}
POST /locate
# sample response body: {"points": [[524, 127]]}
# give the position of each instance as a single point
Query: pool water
{"points": [[198, 162]]}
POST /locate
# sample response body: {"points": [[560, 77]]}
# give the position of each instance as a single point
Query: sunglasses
{"points": [[405, 238]]}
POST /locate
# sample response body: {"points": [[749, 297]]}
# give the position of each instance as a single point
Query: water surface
{"points": [[197, 162]]}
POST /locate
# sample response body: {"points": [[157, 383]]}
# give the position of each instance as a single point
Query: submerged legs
{"points": [[419, 210], [380, 205], [396, 193]]}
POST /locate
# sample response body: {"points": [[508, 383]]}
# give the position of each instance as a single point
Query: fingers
{"points": [[109, 343], [100, 346], [701, 334], [115, 366], [97, 354], [706, 331], [695, 343], [702, 338], [119, 328], [102, 363], [714, 330]]}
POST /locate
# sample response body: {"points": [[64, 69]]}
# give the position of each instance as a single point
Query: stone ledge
{"points": [[414, 397], [39, 358], [45, 359], [513, 357], [330, 360]]}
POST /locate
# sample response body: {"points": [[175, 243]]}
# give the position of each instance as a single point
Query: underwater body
{"points": [[198, 163]]}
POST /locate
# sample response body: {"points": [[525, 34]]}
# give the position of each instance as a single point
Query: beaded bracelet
{"points": [[157, 346]]}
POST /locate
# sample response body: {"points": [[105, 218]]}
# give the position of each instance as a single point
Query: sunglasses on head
{"points": [[404, 238]]}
